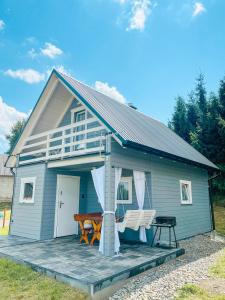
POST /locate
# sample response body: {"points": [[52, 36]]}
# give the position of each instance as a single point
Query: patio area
{"points": [[82, 266]]}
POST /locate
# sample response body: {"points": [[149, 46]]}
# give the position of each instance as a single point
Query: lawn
{"points": [[219, 213], [194, 292], [20, 282]]}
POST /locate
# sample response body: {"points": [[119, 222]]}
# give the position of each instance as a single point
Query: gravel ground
{"points": [[162, 282]]}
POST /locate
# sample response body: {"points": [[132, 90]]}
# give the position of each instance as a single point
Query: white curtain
{"points": [[98, 176], [139, 182], [118, 172]]}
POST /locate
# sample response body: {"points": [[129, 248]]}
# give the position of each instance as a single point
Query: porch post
{"points": [[109, 218]]}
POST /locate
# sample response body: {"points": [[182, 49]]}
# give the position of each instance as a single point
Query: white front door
{"points": [[67, 204]]}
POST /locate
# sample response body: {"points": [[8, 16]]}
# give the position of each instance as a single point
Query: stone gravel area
{"points": [[162, 282]]}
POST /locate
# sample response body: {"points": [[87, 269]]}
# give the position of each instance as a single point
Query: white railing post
{"points": [[63, 144], [47, 146]]}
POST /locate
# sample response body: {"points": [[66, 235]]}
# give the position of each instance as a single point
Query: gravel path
{"points": [[162, 282]]}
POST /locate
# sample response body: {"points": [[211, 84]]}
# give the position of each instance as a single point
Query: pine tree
{"points": [[200, 94], [222, 98], [179, 119], [192, 114]]}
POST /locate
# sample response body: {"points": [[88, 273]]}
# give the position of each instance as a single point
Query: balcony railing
{"points": [[80, 138]]}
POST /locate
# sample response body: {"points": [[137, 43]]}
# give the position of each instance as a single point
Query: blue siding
{"points": [[165, 188], [26, 218], [131, 160], [92, 204], [191, 219]]}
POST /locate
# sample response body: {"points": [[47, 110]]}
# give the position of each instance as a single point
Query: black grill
{"points": [[166, 220]]}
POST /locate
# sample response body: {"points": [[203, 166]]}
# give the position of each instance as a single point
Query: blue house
{"points": [[83, 152]]}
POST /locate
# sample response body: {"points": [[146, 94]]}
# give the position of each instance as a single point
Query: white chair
{"points": [[147, 218], [131, 220]]}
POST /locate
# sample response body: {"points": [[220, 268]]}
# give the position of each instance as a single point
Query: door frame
{"points": [[57, 199]]}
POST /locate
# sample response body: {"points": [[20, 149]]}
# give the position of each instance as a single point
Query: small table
{"points": [[96, 220]]}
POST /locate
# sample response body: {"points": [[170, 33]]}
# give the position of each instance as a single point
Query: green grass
{"points": [[218, 269], [20, 282], [219, 214], [6, 205], [193, 292]]}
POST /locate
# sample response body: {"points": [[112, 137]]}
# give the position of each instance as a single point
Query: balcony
{"points": [[80, 138]]}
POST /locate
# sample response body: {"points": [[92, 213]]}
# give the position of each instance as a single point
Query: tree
{"points": [[179, 119], [14, 134], [192, 114], [201, 122], [200, 94], [222, 98]]}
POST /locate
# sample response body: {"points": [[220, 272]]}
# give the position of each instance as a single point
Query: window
{"points": [[124, 191], [79, 116], [27, 189], [185, 192]]}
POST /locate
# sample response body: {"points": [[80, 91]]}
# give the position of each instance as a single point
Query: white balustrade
{"points": [[70, 140]]}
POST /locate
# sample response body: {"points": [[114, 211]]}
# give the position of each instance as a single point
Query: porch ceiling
{"points": [[81, 167]]}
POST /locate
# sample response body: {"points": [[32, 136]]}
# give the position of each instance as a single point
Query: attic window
{"points": [[79, 116]]}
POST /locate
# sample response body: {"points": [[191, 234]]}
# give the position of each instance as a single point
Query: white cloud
{"points": [[110, 91], [198, 9], [28, 75], [32, 53], [51, 50], [59, 68], [2, 24], [137, 12], [31, 40], [8, 116]]}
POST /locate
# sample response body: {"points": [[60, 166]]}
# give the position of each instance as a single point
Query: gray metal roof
{"points": [[3, 170], [134, 126]]}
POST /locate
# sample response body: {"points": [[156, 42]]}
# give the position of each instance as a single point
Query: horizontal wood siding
{"points": [[131, 160], [26, 218], [191, 219], [92, 204], [164, 176]]}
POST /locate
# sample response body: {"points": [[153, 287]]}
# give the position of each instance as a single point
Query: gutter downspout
{"points": [[211, 200], [14, 185]]}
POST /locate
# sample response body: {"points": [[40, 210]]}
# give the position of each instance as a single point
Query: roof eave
{"points": [[28, 119], [157, 152]]}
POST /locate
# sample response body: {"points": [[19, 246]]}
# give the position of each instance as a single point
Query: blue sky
{"points": [[141, 51]]}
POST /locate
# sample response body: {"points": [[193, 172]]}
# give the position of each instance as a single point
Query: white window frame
{"points": [[129, 201], [23, 181], [77, 110], [188, 182]]}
